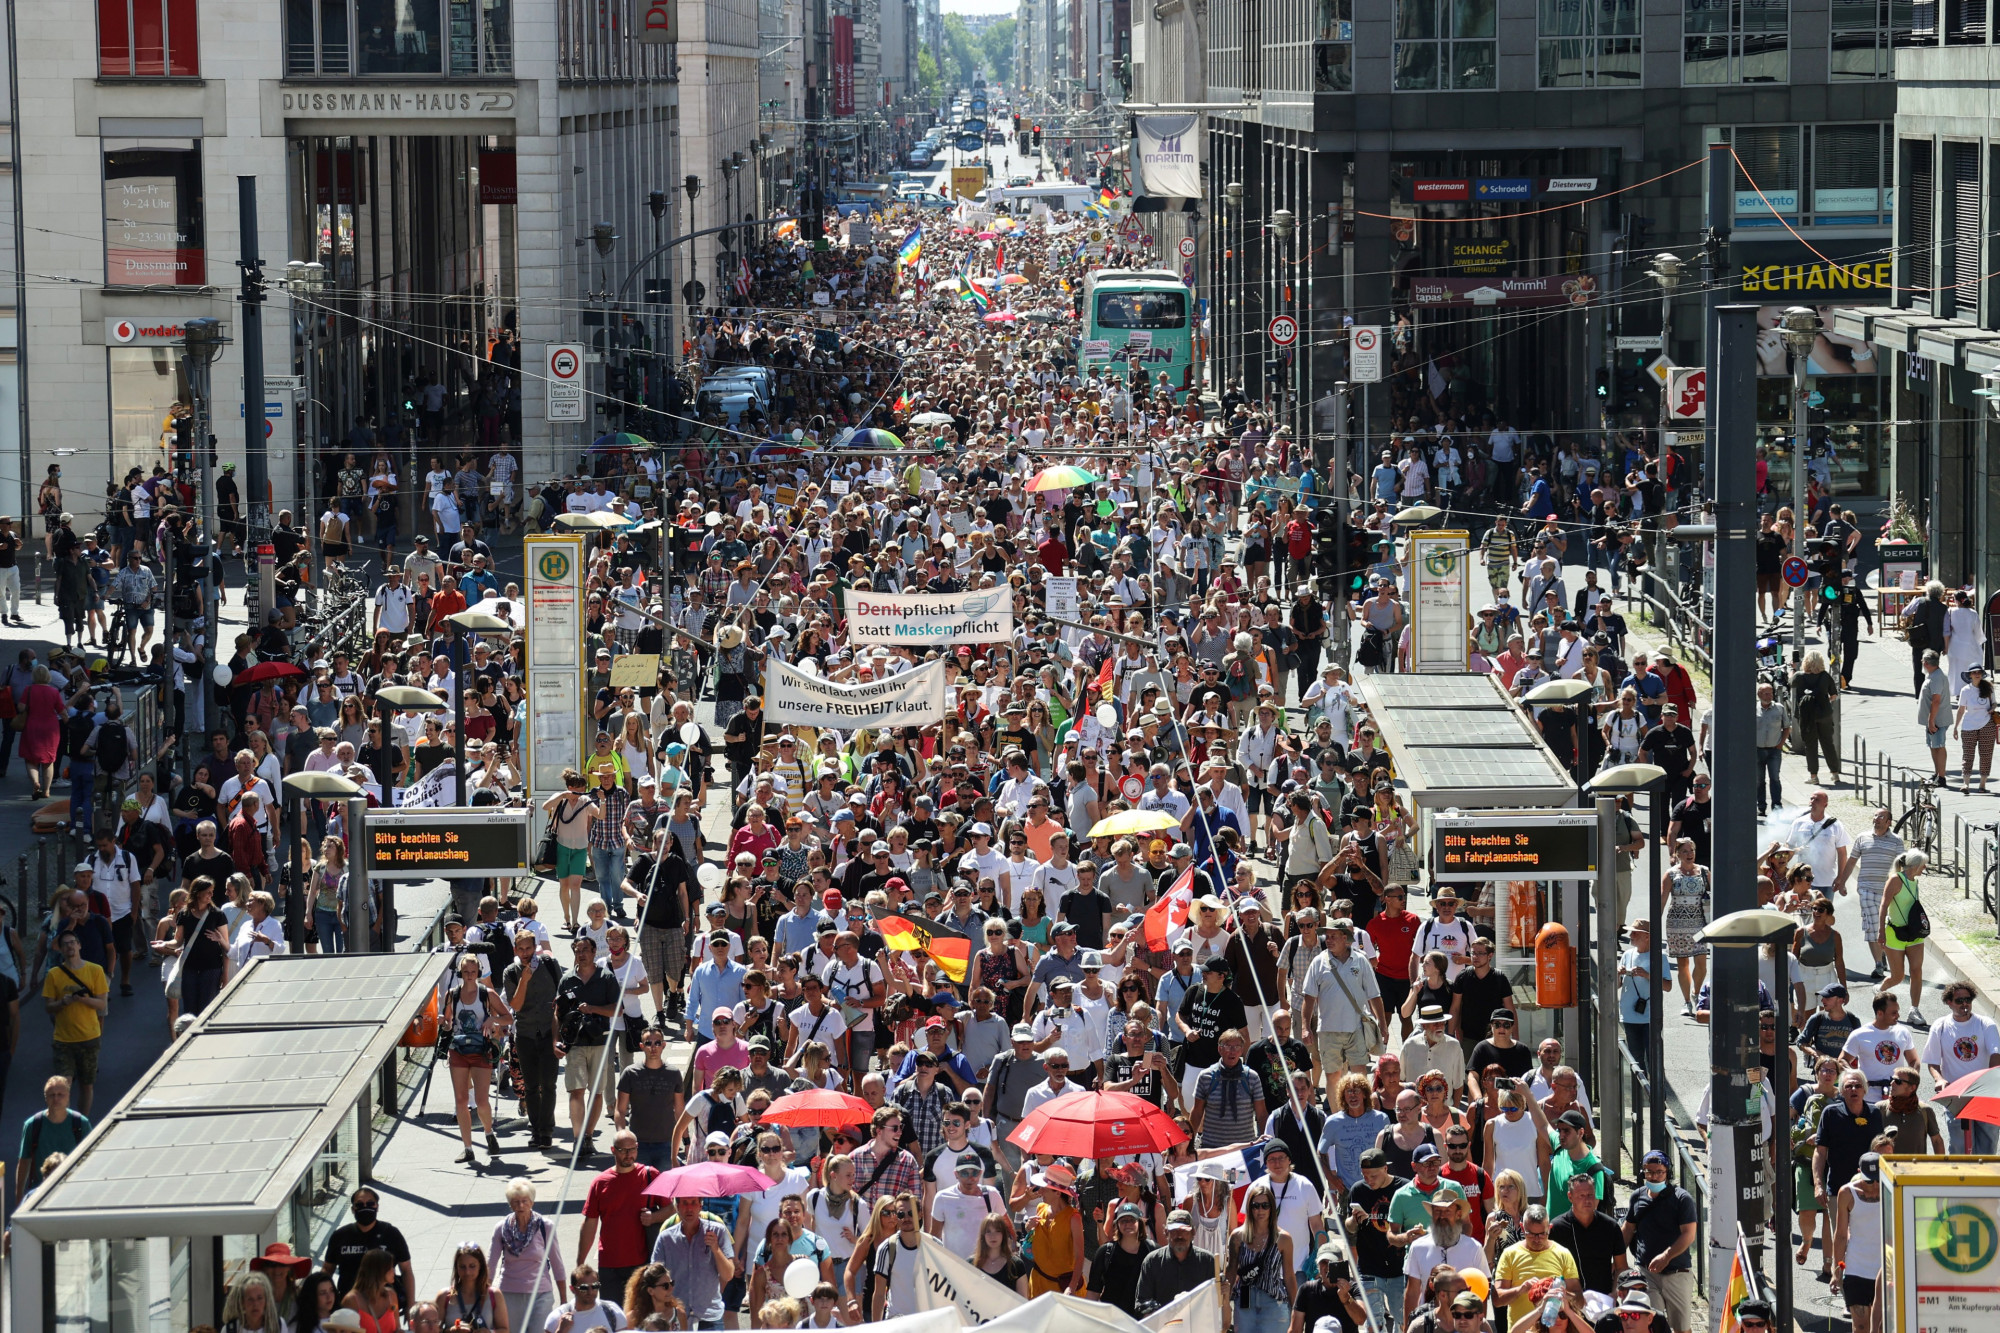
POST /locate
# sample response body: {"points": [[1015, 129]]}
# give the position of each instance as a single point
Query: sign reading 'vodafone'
{"points": [[985, 615], [142, 332]]}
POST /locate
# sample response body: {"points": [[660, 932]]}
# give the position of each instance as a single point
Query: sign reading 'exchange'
{"points": [[985, 615]]}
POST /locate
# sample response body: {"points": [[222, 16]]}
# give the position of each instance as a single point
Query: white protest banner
{"points": [[911, 699], [946, 1281], [439, 787], [1062, 600], [1196, 1311], [931, 619]]}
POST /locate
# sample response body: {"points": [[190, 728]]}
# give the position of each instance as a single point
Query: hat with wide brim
{"points": [[730, 637]]}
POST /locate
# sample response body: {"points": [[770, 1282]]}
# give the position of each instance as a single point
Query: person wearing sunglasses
{"points": [[701, 1258], [1955, 1047], [584, 1311]]}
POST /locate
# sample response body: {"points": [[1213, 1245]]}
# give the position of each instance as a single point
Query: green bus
{"points": [[1139, 319]]}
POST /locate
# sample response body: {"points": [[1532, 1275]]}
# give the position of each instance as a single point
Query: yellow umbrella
{"points": [[1133, 821]]}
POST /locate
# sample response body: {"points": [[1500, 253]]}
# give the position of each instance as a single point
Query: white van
{"points": [[1064, 196]]}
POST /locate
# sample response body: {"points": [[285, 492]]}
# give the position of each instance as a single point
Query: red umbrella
{"points": [[1976, 1096], [708, 1180], [1096, 1124], [269, 670], [817, 1108]]}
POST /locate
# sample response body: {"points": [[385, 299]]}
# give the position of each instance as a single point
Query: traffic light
{"points": [[1628, 384], [1038, 136], [614, 380], [1603, 382], [812, 211]]}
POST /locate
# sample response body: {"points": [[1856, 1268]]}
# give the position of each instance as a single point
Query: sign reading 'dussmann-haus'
{"points": [[985, 615]]}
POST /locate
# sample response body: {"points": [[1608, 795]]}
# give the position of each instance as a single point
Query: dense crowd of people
{"points": [[1367, 1137]]}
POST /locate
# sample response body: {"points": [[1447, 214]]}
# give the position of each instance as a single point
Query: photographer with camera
{"points": [[133, 590]]}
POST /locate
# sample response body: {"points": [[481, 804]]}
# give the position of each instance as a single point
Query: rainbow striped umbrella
{"points": [[869, 437], [1062, 477]]}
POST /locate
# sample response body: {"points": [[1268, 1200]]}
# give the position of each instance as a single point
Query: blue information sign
{"points": [[969, 143], [973, 127]]}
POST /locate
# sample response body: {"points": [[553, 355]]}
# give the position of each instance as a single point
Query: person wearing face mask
{"points": [[367, 1232], [1660, 1226]]}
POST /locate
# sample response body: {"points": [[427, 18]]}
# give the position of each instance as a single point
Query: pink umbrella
{"points": [[1002, 317], [708, 1180], [988, 236], [1013, 280]]}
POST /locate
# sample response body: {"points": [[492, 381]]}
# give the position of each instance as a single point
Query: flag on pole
{"points": [[1167, 918], [902, 403], [913, 246], [742, 282], [1739, 1291], [951, 950]]}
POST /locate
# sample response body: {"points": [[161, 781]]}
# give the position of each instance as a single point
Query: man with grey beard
{"points": [[1446, 1243]]}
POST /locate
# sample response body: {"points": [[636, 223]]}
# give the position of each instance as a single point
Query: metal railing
{"points": [[1953, 842], [1685, 626], [1686, 1172]]}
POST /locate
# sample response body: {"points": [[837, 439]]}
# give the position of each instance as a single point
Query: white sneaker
{"points": [[1917, 1019]]}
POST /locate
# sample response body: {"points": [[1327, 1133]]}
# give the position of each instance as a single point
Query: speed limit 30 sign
{"points": [[1284, 330], [565, 382], [1187, 247]]}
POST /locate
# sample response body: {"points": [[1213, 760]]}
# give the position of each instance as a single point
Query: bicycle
{"points": [[1918, 826], [1990, 884]]}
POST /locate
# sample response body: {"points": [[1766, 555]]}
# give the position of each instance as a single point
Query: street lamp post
{"points": [[1666, 271], [1232, 240], [202, 342], [1283, 226], [467, 623], [300, 788], [1801, 326], [1570, 694], [1629, 780], [306, 281]]}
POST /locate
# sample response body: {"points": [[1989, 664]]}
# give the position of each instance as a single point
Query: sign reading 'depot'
{"points": [[985, 615]]}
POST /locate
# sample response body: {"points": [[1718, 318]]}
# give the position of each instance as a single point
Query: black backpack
{"points": [[113, 745]]}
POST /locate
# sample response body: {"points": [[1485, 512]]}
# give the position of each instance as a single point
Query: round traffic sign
{"points": [[1284, 330], [1365, 340], [1187, 247], [1795, 572], [564, 364]]}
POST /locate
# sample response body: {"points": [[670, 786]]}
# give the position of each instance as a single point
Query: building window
{"points": [[148, 39], [1333, 47], [1735, 41], [153, 213], [398, 38], [1589, 43], [147, 383], [1866, 33], [1811, 175], [1444, 44]]}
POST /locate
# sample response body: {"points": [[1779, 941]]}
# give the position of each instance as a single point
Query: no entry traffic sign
{"points": [[1284, 330], [565, 382], [1795, 572]]}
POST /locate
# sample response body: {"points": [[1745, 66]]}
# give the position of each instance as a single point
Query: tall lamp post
{"points": [[202, 341], [1801, 327], [387, 700], [322, 785], [306, 281], [1630, 780], [468, 622], [1570, 694], [1232, 242], [1283, 227], [1747, 930]]}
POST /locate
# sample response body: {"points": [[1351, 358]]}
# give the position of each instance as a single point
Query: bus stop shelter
{"points": [[253, 1127]]}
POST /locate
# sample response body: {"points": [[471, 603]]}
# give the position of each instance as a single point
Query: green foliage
{"points": [[958, 47], [997, 45], [927, 75]]}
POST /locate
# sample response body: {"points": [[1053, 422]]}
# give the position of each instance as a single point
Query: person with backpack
{"points": [[53, 1129], [115, 873], [474, 1016]]}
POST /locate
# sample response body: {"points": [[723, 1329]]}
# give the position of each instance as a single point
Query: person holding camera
{"points": [[586, 1001], [530, 983]]}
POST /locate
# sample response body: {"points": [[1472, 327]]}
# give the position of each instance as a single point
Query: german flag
{"points": [[951, 949]]}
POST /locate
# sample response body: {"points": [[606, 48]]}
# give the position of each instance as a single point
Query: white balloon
{"points": [[950, 540], [801, 1276], [709, 876], [690, 733], [1107, 715], [222, 674]]}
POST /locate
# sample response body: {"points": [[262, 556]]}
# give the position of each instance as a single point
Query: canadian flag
{"points": [[1167, 918]]}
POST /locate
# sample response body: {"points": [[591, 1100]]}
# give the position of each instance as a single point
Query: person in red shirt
{"points": [[616, 1214], [1472, 1178], [1053, 554], [1680, 686], [1394, 929]]}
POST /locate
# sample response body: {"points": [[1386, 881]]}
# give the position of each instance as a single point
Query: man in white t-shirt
{"points": [[115, 873], [1819, 840], [392, 604], [1446, 933], [958, 1213], [1300, 1210], [1958, 1046], [444, 509], [1444, 1243], [1881, 1047]]}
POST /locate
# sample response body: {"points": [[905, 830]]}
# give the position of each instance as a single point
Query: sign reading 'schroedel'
{"points": [[910, 699], [985, 615]]}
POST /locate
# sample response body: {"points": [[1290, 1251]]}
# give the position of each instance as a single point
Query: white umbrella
{"points": [[931, 419], [508, 610]]}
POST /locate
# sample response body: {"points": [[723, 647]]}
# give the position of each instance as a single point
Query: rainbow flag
{"points": [[1739, 1290], [913, 246], [951, 949]]}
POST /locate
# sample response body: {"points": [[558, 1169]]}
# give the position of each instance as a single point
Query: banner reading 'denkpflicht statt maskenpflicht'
{"points": [[910, 699], [985, 615]]}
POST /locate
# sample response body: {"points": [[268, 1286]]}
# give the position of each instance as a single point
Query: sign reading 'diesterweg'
{"points": [[448, 844]]}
